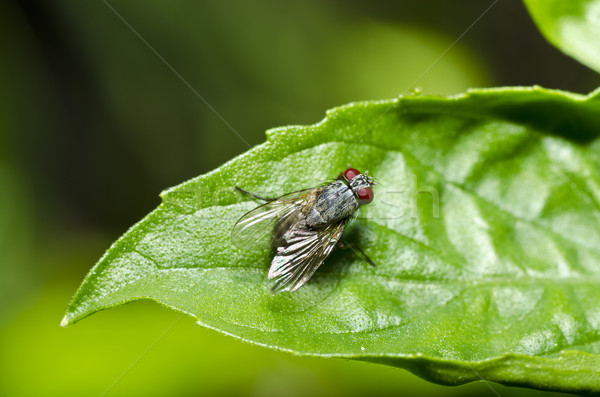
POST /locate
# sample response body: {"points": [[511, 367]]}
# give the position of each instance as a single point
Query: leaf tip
{"points": [[64, 322]]}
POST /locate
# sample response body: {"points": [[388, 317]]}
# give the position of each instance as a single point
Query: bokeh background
{"points": [[93, 125]]}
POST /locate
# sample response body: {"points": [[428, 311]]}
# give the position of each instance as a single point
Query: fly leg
{"points": [[357, 250], [239, 189]]}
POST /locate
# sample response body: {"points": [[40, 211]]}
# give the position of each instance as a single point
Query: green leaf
{"points": [[572, 26], [485, 229]]}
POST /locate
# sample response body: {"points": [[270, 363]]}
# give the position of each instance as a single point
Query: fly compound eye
{"points": [[365, 195], [350, 173]]}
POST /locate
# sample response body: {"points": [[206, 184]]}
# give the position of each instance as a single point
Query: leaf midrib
{"points": [[491, 281]]}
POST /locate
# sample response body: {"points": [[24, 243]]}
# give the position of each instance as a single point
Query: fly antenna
{"points": [[370, 179]]}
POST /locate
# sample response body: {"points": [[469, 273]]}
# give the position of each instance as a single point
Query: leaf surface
{"points": [[485, 229], [572, 26]]}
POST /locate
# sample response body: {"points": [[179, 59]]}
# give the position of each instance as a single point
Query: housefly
{"points": [[303, 227]]}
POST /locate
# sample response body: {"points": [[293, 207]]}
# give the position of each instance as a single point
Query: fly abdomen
{"points": [[336, 202]]}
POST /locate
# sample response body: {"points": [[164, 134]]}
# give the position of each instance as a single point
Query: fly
{"points": [[303, 227]]}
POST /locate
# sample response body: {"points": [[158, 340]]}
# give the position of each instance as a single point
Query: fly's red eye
{"points": [[350, 173], [365, 195]]}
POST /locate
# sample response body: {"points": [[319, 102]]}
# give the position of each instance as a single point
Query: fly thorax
{"points": [[336, 202]]}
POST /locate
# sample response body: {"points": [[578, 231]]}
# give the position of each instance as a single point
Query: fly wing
{"points": [[303, 251], [263, 225]]}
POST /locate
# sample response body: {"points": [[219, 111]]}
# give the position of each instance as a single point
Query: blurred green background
{"points": [[93, 125]]}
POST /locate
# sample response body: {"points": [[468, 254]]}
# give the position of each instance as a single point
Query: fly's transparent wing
{"points": [[261, 226], [303, 251]]}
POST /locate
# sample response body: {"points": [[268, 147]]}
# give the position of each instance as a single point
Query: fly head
{"points": [[360, 184]]}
